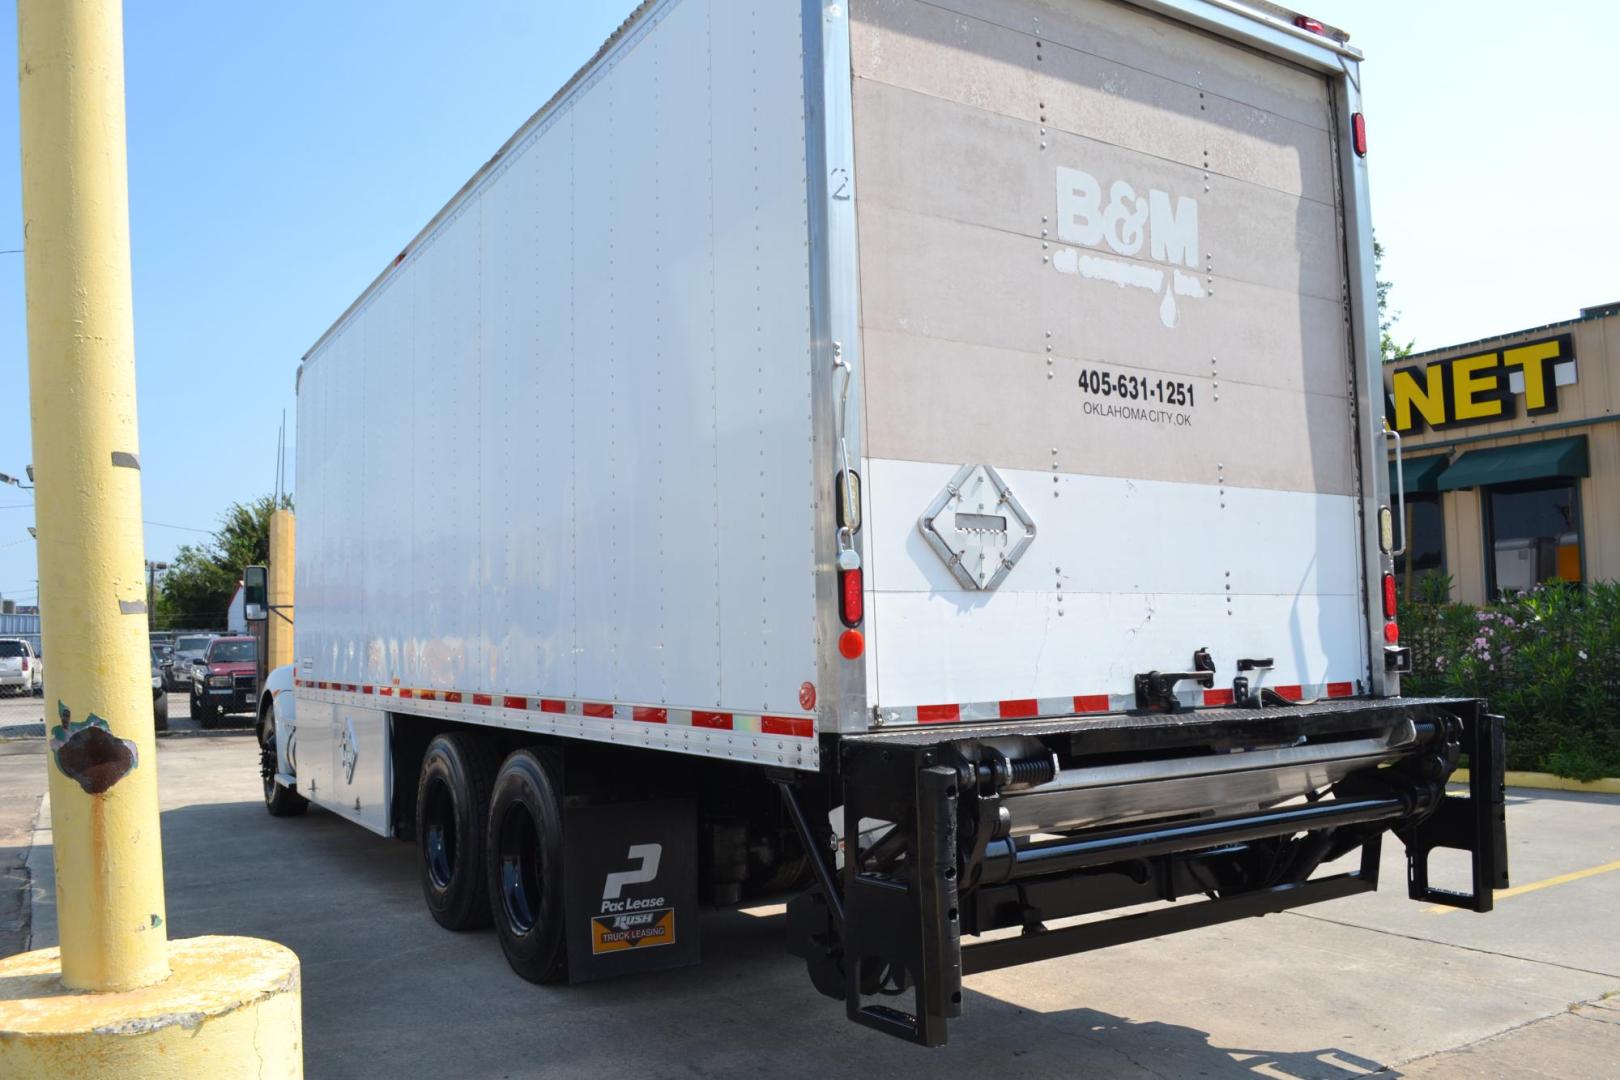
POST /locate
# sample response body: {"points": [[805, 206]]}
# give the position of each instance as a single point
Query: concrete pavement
{"points": [[1373, 984]]}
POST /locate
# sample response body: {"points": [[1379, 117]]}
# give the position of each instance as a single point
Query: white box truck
{"points": [[927, 454]]}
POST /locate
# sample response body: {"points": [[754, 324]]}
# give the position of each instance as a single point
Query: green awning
{"points": [[1511, 464], [1420, 474]]}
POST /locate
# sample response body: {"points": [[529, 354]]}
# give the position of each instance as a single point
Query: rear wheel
{"points": [[280, 801], [160, 712], [525, 868], [452, 800]]}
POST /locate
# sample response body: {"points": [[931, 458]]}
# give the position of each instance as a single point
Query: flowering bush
{"points": [[1547, 660]]}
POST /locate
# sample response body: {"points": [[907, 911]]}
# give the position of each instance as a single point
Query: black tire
{"points": [[280, 801], [525, 868], [160, 712], [452, 804], [206, 712]]}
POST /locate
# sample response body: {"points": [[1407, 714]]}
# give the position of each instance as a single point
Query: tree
{"points": [[196, 591], [1386, 318]]}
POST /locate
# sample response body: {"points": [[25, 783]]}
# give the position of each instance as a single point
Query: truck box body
{"points": [[950, 429], [574, 450]]}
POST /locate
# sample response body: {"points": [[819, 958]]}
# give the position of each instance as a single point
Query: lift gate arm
{"points": [[931, 851]]}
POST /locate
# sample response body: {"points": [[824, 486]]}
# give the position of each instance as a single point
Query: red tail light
{"points": [[1392, 633], [851, 644], [1358, 134], [850, 598], [1389, 596], [1305, 22], [25, 663]]}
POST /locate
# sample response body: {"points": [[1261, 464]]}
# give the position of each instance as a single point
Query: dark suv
{"points": [[225, 679]]}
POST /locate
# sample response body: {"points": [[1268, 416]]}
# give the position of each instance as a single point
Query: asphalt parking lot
{"points": [[1369, 985]]}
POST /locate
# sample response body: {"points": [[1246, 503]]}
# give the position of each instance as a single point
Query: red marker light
{"points": [[851, 644], [1392, 633], [1358, 134], [1389, 596], [1305, 22], [851, 602]]}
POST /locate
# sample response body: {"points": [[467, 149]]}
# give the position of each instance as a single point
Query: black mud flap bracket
{"points": [[1475, 822]]}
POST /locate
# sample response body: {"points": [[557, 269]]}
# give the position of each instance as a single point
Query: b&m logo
{"points": [[1155, 224]]}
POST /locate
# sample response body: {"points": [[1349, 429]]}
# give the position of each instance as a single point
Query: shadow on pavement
{"points": [[388, 992]]}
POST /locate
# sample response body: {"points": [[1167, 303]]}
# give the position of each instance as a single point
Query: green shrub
{"points": [[1547, 660]]}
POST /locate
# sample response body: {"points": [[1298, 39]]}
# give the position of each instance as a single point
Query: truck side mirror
{"points": [[255, 593]]}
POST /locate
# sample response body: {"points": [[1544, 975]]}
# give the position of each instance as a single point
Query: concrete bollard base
{"points": [[231, 1007]]}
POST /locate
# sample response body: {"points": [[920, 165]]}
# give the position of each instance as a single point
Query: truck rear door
{"points": [[1109, 383]]}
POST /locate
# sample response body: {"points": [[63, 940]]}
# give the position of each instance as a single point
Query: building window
{"points": [[1532, 535], [1425, 541]]}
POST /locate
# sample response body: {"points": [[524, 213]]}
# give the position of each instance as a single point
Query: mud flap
{"points": [[632, 891]]}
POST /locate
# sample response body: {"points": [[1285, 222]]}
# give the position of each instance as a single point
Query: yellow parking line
{"points": [[1518, 890]]}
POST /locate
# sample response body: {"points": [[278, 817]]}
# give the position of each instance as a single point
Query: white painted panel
{"points": [[313, 747], [939, 649], [526, 479], [359, 787], [446, 535], [684, 378], [543, 581], [787, 582], [1124, 576], [763, 372], [584, 396], [1115, 534], [394, 473], [639, 428], [384, 569], [599, 260], [344, 478]]}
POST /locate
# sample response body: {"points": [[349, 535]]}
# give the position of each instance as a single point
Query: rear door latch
{"points": [[1156, 690]]}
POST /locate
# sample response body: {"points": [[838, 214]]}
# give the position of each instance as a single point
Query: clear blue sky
{"points": [[281, 154]]}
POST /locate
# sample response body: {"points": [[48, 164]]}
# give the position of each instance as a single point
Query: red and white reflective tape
{"points": [[747, 723], [1087, 704]]}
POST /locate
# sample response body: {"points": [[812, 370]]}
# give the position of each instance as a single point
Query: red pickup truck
{"points": [[225, 680]]}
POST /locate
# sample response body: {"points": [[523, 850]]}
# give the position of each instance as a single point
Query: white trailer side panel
{"points": [[554, 467], [1102, 253]]}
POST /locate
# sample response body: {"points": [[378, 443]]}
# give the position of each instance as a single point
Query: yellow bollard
{"points": [[279, 626], [117, 998]]}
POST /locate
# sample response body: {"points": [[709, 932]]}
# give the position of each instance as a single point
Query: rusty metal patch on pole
{"points": [[89, 754]]}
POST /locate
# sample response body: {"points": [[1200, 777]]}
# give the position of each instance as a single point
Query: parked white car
{"points": [[21, 670]]}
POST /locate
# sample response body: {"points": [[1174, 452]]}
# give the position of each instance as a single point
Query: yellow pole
{"points": [[207, 1006], [279, 627], [103, 769]]}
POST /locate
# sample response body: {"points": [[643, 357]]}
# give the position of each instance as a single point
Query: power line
{"points": [[182, 528]]}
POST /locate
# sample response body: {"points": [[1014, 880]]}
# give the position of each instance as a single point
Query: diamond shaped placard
{"points": [[977, 528]]}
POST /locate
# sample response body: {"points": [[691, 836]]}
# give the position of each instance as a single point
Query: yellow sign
{"points": [[1482, 387], [635, 929]]}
